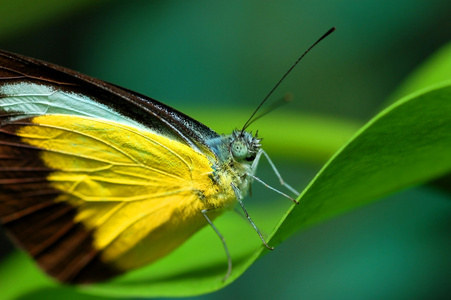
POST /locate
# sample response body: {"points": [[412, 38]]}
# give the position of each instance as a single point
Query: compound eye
{"points": [[239, 150]]}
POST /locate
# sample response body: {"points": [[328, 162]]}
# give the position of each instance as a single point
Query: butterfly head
{"points": [[244, 146]]}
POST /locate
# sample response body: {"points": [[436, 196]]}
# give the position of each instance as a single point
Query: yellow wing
{"points": [[117, 197]]}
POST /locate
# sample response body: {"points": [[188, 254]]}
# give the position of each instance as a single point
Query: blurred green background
{"points": [[211, 58]]}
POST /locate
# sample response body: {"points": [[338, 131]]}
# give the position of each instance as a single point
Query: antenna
{"points": [[283, 77]]}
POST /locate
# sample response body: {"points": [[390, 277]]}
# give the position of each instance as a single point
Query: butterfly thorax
{"points": [[237, 156]]}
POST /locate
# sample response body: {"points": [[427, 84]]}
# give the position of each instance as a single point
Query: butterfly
{"points": [[97, 180]]}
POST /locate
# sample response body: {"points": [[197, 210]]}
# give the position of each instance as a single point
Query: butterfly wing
{"points": [[94, 179]]}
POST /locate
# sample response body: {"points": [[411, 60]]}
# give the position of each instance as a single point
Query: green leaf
{"points": [[434, 71], [406, 144]]}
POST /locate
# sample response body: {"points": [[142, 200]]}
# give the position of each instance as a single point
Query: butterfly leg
{"points": [[271, 188], [239, 198], [229, 258], [241, 214], [282, 182]]}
